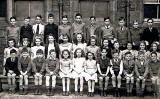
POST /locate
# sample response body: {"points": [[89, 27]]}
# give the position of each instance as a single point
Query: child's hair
{"points": [[129, 43], [66, 35], [12, 18], [76, 41], [106, 18], [27, 18], [128, 53], [24, 50], [67, 52], [11, 39], [78, 14], [13, 51], [92, 54], [64, 16], [157, 44], [92, 37], [39, 16], [92, 17], [39, 39], [47, 41], [52, 50], [121, 19], [75, 53], [140, 53], [153, 53], [109, 43], [135, 21], [39, 51], [50, 15], [150, 19]]}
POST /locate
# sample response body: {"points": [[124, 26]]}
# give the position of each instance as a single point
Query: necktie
{"points": [[37, 31]]}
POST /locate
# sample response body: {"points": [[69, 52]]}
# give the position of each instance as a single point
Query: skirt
{"points": [[62, 75], [90, 77], [76, 75]]}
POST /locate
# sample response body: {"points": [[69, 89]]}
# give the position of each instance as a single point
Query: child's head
{"points": [[39, 53], [26, 20], [154, 56], [92, 41], [25, 42], [13, 21], [142, 45], [38, 19], [13, 53], [78, 53], [129, 46], [150, 22], [128, 55], [25, 52], [11, 42], [65, 38], [121, 21], [105, 42], [107, 21], [103, 52], [141, 55], [65, 19], [90, 56], [65, 54], [92, 19], [50, 18], [50, 38], [115, 55], [78, 17], [116, 45], [79, 38], [154, 46], [38, 41], [52, 53], [135, 24]]}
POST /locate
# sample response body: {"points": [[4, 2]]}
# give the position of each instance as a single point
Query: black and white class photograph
{"points": [[79, 49]]}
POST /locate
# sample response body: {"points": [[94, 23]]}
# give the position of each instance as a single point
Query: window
{"points": [[152, 9], [3, 9]]}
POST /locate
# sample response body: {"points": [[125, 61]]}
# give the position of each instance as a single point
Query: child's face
{"points": [[154, 57], [65, 38], [13, 55], [25, 54], [93, 42], [78, 19], [11, 43], [39, 55], [38, 20], [121, 23], [50, 20], [93, 20], [103, 53], [116, 45], [115, 55], [65, 20], [79, 53], [53, 54], [90, 56], [105, 43], [142, 46], [129, 46], [26, 21], [150, 23], [107, 22], [135, 25], [128, 57], [65, 54], [141, 57], [51, 39], [13, 22], [25, 43], [38, 42], [79, 37], [154, 47]]}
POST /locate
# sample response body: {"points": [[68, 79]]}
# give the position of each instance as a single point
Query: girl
{"points": [[51, 45], [116, 72], [106, 44], [154, 48], [78, 69], [92, 47], [128, 64], [65, 28], [65, 45], [90, 73], [141, 71], [79, 43], [65, 71], [38, 45], [103, 70], [25, 44], [52, 67]]}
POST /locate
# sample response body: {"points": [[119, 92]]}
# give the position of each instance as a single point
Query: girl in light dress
{"points": [[65, 71], [78, 69], [90, 73]]}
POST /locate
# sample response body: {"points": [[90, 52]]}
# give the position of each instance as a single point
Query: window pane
{"points": [[150, 11], [3, 9]]}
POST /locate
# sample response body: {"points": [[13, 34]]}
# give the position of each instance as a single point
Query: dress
{"points": [[80, 45]]}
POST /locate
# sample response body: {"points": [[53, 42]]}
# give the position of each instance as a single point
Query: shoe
{"points": [[76, 93], [88, 94], [105, 94], [36, 90], [92, 94], [52, 92], [101, 93], [21, 91], [63, 93], [81, 93], [10, 91], [25, 91], [67, 93], [48, 92]]}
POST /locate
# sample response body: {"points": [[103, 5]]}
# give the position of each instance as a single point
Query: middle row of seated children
{"points": [[78, 67]]}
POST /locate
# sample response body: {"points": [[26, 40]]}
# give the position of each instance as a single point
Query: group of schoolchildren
{"points": [[82, 52]]}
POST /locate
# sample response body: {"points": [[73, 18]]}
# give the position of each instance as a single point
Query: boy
{"points": [[128, 64], [52, 67], [11, 67], [141, 71], [51, 28], [78, 27], [122, 34], [13, 31], [38, 66], [26, 31], [116, 70], [154, 71], [38, 28], [106, 31], [24, 66]]}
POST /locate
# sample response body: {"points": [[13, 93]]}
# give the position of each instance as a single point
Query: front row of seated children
{"points": [[80, 68]]}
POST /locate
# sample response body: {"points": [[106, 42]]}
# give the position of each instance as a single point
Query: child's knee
{"points": [[53, 77], [106, 78], [20, 77], [25, 76], [101, 79], [9, 75]]}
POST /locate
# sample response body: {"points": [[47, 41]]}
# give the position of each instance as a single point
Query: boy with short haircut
{"points": [[11, 67], [24, 66], [26, 31], [38, 66], [13, 31], [51, 28], [52, 67], [122, 34]]}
